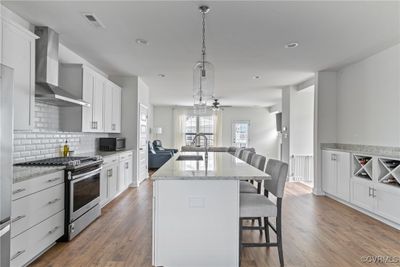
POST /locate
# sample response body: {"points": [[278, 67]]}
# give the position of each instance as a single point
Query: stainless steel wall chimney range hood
{"points": [[47, 90]]}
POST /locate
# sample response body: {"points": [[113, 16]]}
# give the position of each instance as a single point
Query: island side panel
{"points": [[195, 223]]}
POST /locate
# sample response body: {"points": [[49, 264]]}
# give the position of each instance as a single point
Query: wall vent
{"points": [[92, 19]]}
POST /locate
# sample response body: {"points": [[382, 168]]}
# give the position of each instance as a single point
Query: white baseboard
{"points": [[366, 212]]}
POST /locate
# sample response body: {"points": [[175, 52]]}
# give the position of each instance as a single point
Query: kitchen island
{"points": [[196, 209]]}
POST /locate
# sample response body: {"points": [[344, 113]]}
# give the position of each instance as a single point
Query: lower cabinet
{"points": [[336, 174], [387, 200], [116, 176], [37, 211], [379, 199], [26, 246], [360, 180], [108, 180]]}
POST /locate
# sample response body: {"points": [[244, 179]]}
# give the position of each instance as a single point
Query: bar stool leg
{"points": [[260, 224], [266, 229], [279, 239]]}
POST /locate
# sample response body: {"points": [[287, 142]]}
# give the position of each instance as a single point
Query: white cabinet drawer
{"points": [[31, 210], [125, 155], [110, 159], [30, 186], [29, 244]]}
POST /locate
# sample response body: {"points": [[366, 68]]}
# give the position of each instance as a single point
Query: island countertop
{"points": [[220, 166]]}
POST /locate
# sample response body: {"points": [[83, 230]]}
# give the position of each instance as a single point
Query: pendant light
{"points": [[203, 71]]}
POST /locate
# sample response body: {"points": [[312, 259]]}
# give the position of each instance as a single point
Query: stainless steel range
{"points": [[82, 190]]}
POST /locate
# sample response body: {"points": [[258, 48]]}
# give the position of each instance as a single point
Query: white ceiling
{"points": [[243, 39]]}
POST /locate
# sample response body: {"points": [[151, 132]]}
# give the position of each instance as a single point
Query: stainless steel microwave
{"points": [[112, 143]]}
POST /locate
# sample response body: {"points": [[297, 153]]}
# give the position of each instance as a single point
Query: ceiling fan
{"points": [[217, 106]]}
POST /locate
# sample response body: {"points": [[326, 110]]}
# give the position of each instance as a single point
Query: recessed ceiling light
{"points": [[256, 77], [161, 75], [292, 45], [142, 41]]}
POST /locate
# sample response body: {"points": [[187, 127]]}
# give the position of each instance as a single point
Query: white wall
{"points": [[302, 122], [368, 100], [324, 120], [163, 117], [263, 134]]}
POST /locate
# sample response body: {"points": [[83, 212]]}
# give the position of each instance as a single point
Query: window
{"points": [[240, 133], [199, 124]]}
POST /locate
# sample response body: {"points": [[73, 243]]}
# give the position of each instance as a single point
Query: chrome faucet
{"points": [[205, 142]]}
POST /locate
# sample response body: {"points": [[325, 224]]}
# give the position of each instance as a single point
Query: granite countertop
{"points": [[220, 166], [23, 173], [390, 152], [110, 153]]}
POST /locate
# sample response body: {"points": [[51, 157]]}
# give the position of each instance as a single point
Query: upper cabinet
{"points": [[112, 108], [18, 46], [94, 89]]}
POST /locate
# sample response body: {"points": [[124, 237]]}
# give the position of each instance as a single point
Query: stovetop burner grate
{"points": [[59, 161]]}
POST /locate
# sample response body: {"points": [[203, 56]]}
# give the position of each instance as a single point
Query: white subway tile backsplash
{"points": [[46, 140]]}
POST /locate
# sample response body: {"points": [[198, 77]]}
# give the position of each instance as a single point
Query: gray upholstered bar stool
{"points": [[258, 162], [232, 150], [246, 155], [256, 205], [239, 152]]}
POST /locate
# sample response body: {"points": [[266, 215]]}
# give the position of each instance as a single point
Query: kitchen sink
{"points": [[190, 157]]}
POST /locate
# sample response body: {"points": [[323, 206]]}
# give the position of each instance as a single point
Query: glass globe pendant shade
{"points": [[203, 81], [199, 107]]}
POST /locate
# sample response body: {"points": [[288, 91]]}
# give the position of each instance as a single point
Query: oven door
{"points": [[84, 193]]}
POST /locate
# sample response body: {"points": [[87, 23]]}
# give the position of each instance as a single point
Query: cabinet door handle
{"points": [[19, 253], [16, 219], [53, 201], [93, 125], [19, 191], [53, 180], [373, 192], [126, 165], [369, 191], [53, 230]]}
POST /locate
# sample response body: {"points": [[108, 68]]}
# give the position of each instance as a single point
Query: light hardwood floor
{"points": [[317, 231]]}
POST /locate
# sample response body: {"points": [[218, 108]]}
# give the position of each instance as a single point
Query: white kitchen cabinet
{"points": [[112, 108], [116, 175], [125, 170], [33, 242], [329, 172], [378, 198], [88, 85], [109, 179], [37, 211], [121, 175], [97, 104], [361, 193], [387, 200], [18, 46], [336, 173]]}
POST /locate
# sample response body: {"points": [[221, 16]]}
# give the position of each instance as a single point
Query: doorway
{"points": [[302, 136]]}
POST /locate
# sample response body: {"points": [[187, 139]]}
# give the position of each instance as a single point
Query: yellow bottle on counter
{"points": [[66, 149]]}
